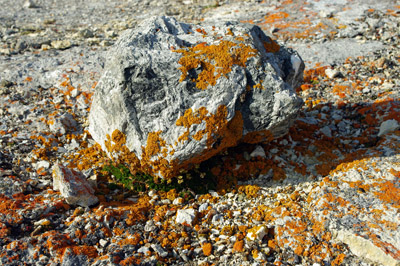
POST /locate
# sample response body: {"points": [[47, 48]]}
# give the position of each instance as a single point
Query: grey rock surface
{"points": [[336, 51], [181, 92]]}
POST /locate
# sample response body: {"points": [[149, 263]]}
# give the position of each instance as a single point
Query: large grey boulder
{"points": [[181, 93]]}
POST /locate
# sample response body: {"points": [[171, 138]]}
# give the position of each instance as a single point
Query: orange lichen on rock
{"points": [[130, 240], [154, 143], [311, 75], [238, 246], [207, 249], [215, 124], [215, 60], [89, 251], [389, 193], [272, 46]]}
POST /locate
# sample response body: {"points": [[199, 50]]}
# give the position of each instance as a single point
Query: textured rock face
{"points": [[181, 93]]}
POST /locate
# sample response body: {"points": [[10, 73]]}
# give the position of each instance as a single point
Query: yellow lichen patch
{"points": [[215, 60], [249, 190], [259, 86], [154, 143], [120, 153], [216, 124], [344, 167], [227, 230], [389, 193]]}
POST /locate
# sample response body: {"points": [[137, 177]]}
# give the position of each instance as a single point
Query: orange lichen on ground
{"points": [[132, 260], [130, 240], [89, 251], [250, 190], [341, 90], [275, 17], [88, 158], [215, 60], [346, 166], [258, 136], [201, 31], [311, 75]]}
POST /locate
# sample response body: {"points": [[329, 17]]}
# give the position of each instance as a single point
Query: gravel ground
{"points": [[325, 194]]}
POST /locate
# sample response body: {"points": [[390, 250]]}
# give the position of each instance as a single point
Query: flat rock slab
{"points": [[362, 210], [177, 94]]}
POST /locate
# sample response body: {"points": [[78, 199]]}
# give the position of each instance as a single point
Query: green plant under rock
{"points": [[141, 182]]}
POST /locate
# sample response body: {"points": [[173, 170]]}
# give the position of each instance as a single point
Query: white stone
{"points": [[296, 63], [157, 248], [73, 186], [61, 44], [213, 193], [29, 4], [388, 126], [258, 151], [178, 201], [63, 124], [217, 219], [166, 201], [257, 233], [152, 193], [185, 216], [143, 249], [74, 93], [331, 73], [203, 207], [103, 242], [220, 248], [43, 164], [42, 222]]}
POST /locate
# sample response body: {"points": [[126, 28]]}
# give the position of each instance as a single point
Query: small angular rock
{"points": [[185, 216], [73, 186], [388, 126], [258, 151]]}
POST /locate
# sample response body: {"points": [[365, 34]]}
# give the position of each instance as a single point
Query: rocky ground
{"points": [[325, 194]]}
